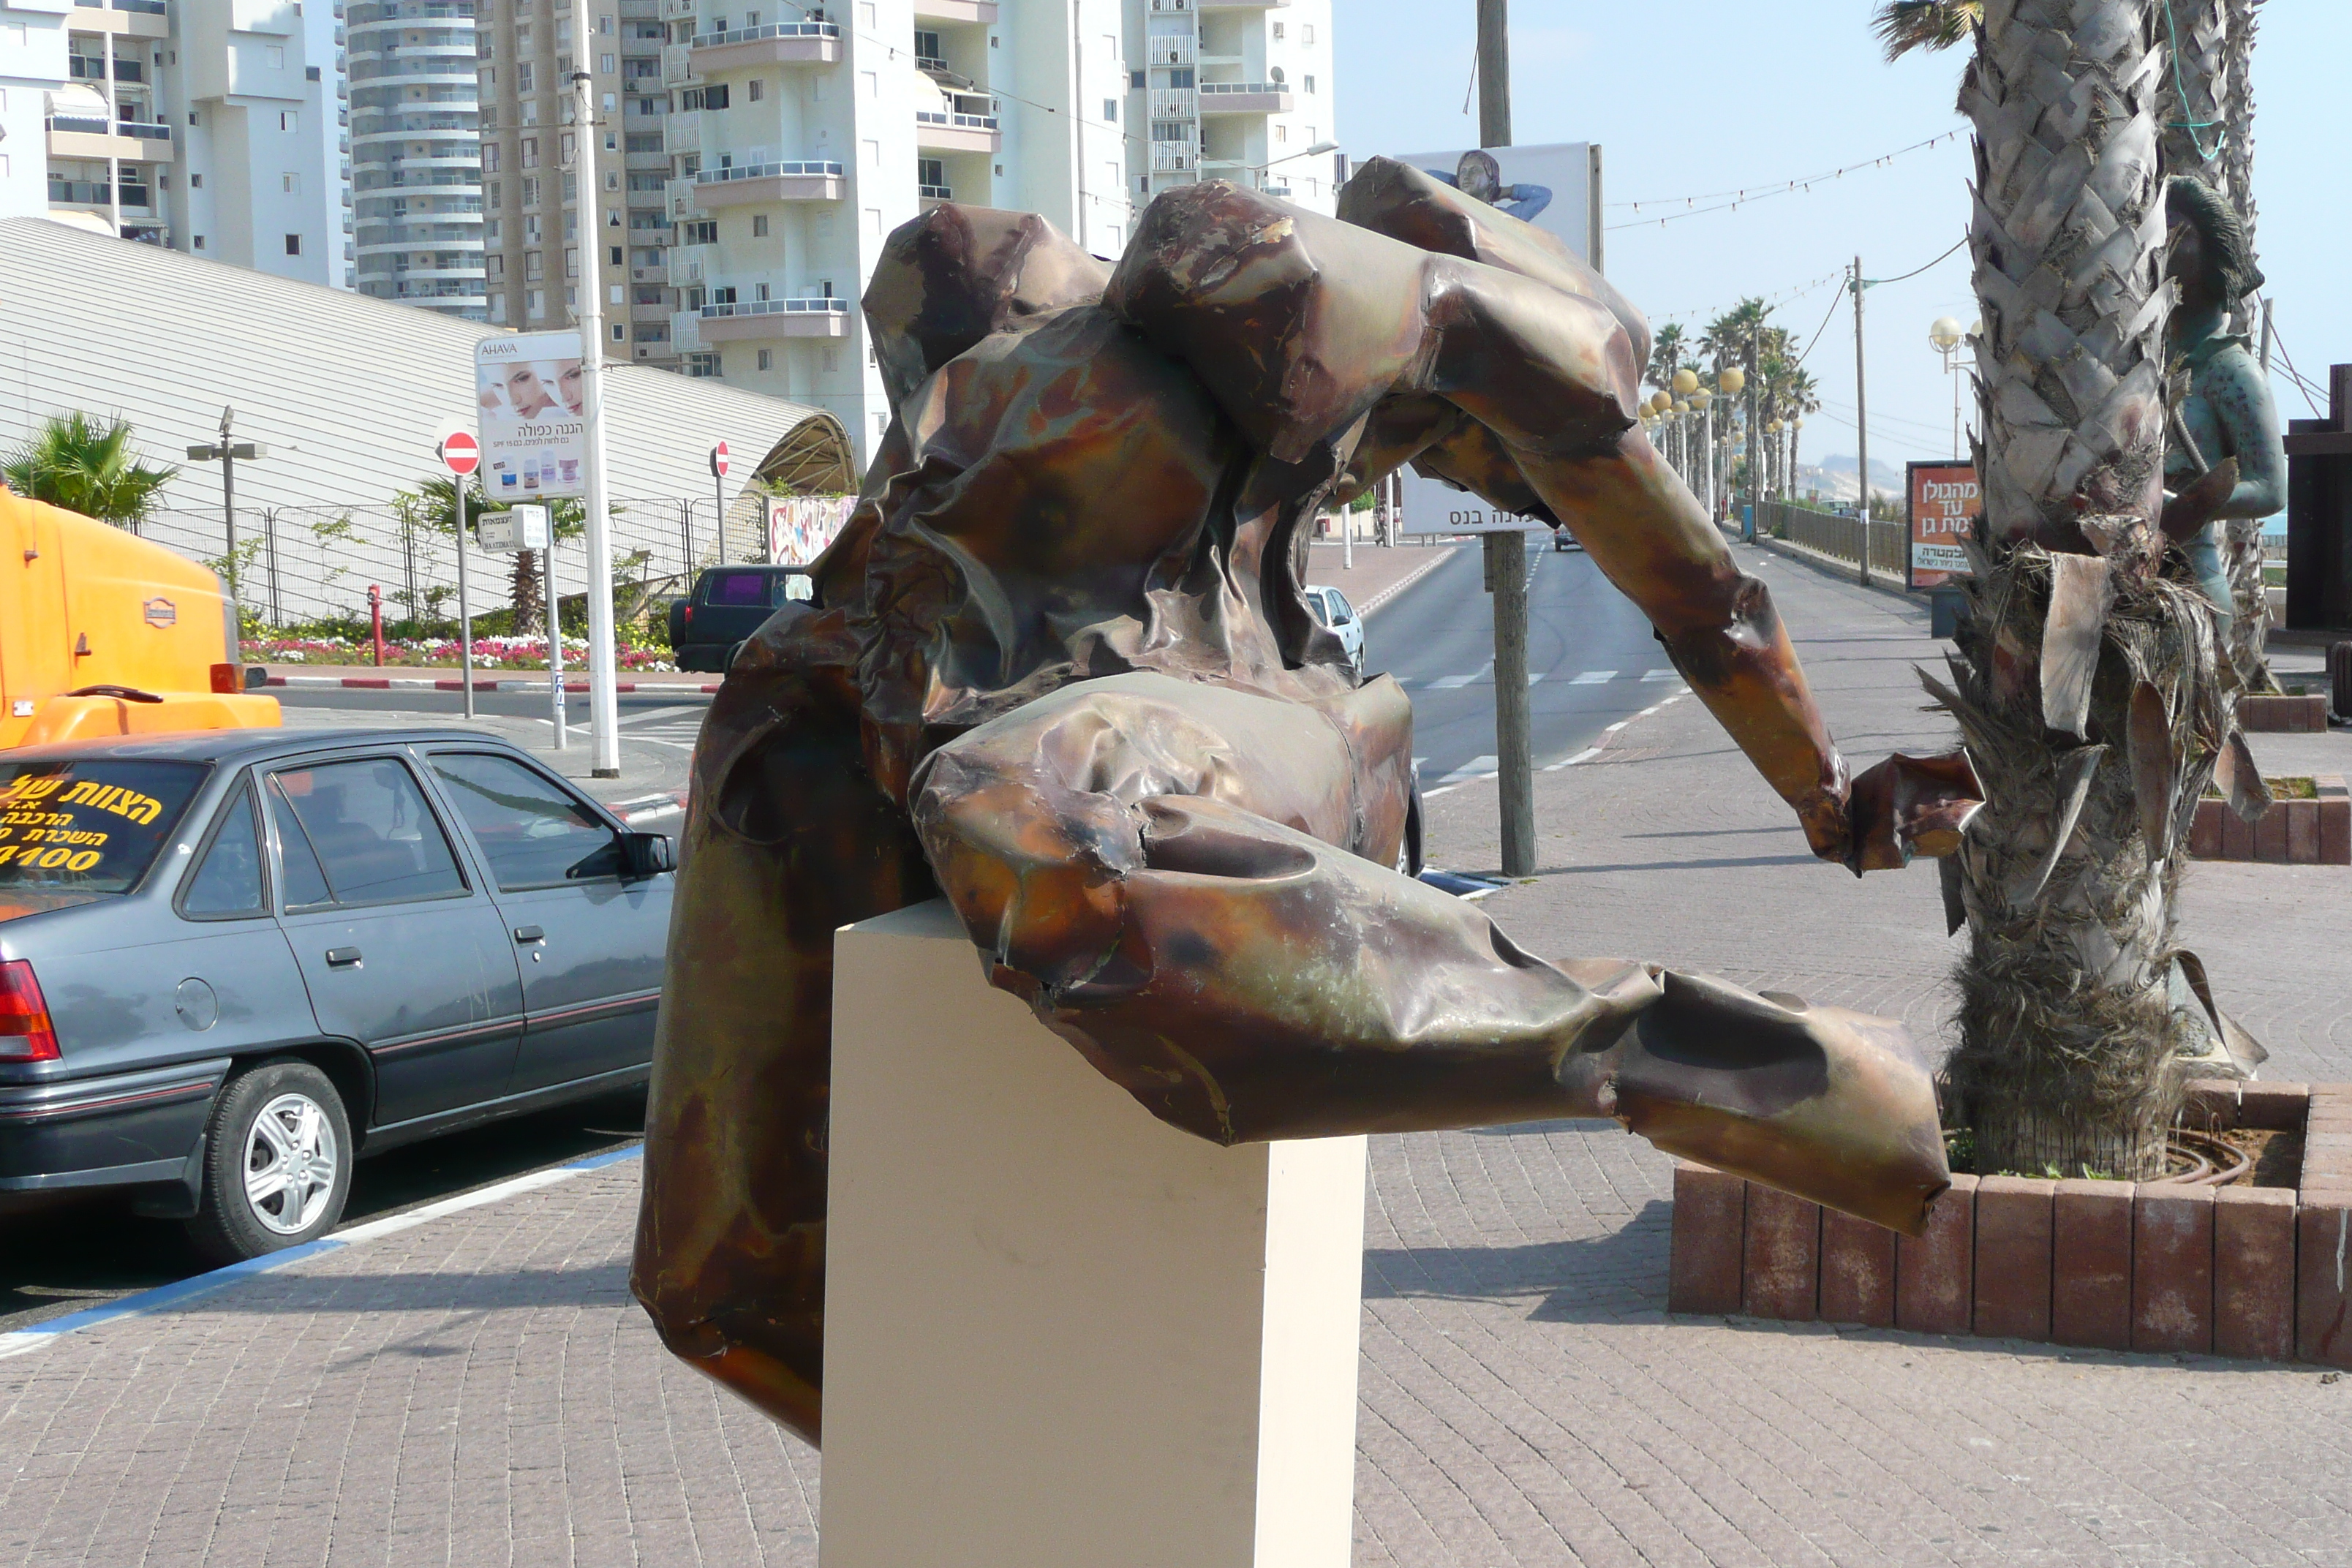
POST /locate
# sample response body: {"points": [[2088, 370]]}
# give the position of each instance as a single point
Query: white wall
{"points": [[32, 63]]}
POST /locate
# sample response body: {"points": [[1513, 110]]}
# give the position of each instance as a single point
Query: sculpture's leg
{"points": [[1247, 980], [785, 842]]}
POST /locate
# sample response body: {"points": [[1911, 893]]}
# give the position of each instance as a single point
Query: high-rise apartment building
{"points": [[567, 207], [1239, 92], [801, 137], [210, 126], [416, 154]]}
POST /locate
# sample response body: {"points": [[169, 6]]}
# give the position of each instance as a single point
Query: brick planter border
{"points": [[2291, 833], [2251, 1272], [2296, 715]]}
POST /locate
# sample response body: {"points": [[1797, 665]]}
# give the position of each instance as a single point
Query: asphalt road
{"points": [[1591, 660]]}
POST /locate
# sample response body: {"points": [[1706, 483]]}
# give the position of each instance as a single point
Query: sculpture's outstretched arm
{"points": [[1511, 371], [1177, 878]]}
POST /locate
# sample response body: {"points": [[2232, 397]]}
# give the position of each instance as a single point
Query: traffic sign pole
{"points": [[719, 496], [461, 454], [603, 698]]}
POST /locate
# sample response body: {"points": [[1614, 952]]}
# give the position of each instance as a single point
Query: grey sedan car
{"points": [[232, 961]]}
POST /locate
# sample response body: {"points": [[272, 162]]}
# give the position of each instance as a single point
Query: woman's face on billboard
{"points": [[527, 393]]}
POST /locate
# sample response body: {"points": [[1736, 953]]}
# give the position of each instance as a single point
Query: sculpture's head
{"points": [[2209, 254]]}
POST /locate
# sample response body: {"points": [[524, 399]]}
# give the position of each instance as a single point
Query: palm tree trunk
{"points": [[2086, 687], [530, 603]]}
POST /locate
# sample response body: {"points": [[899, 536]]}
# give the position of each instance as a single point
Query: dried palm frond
{"points": [[1906, 25]]}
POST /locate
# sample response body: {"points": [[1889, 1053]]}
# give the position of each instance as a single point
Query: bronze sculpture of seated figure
{"points": [[1060, 670]]}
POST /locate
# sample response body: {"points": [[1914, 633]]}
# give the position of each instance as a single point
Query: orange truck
{"points": [[103, 633]]}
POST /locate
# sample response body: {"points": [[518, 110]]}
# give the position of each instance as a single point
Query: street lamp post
{"points": [[1946, 337], [226, 452], [1732, 381], [1260, 169]]}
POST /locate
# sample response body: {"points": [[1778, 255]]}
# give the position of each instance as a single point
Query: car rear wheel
{"points": [[277, 1162]]}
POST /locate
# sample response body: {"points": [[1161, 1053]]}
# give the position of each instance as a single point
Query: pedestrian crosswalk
{"points": [[675, 726], [1486, 675]]}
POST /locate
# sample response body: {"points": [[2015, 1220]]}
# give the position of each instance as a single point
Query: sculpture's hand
{"points": [[1909, 806]]}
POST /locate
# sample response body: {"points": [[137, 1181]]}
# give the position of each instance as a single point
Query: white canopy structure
{"points": [[349, 396]]}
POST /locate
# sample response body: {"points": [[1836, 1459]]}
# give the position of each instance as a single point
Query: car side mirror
{"points": [[647, 854]]}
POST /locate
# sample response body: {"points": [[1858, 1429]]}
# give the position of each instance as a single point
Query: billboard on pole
{"points": [[533, 416], [1554, 186], [1945, 499]]}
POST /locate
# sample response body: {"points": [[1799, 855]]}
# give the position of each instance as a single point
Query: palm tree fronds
{"points": [[73, 461], [1903, 25]]}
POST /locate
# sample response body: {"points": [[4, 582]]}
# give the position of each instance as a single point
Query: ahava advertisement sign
{"points": [[526, 387], [1945, 501]]}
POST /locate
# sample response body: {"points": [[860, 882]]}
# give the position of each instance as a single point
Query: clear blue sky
{"points": [[1707, 95]]}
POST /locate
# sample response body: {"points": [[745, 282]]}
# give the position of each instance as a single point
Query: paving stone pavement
{"points": [[479, 1389]]}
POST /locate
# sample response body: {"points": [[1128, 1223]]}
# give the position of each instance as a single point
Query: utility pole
{"points": [[1755, 437], [1507, 553], [1861, 421], [603, 700]]}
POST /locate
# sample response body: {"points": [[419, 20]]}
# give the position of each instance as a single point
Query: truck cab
{"points": [[103, 633], [728, 605]]}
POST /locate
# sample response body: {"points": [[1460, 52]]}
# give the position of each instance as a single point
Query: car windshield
{"points": [[759, 590], [88, 827]]}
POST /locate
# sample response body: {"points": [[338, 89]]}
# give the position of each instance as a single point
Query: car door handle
{"points": [[529, 933], [342, 957]]}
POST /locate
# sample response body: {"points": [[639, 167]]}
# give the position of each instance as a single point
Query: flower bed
{"points": [[443, 653], [2235, 1271]]}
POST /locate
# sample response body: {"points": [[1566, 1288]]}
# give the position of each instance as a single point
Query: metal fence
{"points": [[1839, 537], [305, 563]]}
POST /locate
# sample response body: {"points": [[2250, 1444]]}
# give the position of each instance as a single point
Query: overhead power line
{"points": [[1730, 200]]}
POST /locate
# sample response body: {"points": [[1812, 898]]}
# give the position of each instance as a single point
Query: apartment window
{"points": [[607, 64], [620, 332], [489, 158], [756, 89], [758, 290], [1277, 32], [523, 82], [767, 359], [530, 196], [200, 242], [571, 261], [534, 266], [1110, 109], [1180, 77], [701, 365], [290, 119], [1307, 32], [498, 267], [290, 183], [275, 55], [293, 244], [605, 25], [531, 152], [1310, 84], [491, 193], [1135, 79], [615, 252], [1281, 134], [715, 96], [723, 296], [759, 225], [534, 304], [701, 231], [195, 181]]}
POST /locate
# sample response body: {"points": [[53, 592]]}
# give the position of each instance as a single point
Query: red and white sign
{"points": [[460, 453], [719, 461], [1945, 501]]}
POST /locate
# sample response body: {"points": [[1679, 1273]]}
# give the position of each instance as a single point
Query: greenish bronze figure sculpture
{"points": [[1059, 670], [2226, 427]]}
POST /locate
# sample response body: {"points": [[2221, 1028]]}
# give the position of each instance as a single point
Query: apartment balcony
{"points": [[95, 136], [778, 44], [686, 332], [764, 318], [657, 273], [672, 10], [1175, 103], [954, 130], [93, 195], [1242, 4], [677, 66], [646, 163], [961, 13], [642, 10], [1174, 158], [92, 69], [1169, 49], [1244, 98], [747, 183], [123, 18], [682, 132]]}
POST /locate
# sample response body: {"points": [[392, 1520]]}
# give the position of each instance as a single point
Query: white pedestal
{"points": [[1059, 1334]]}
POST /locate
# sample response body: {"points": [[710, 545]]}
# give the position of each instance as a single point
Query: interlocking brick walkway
{"points": [[479, 1389]]}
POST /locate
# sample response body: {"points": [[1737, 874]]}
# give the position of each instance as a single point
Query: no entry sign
{"points": [[460, 453], [719, 461]]}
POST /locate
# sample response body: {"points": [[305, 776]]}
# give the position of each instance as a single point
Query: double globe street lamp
{"points": [[1946, 337]]}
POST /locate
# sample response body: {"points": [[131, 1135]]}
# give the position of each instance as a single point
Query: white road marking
{"points": [[1660, 674], [1594, 678], [1452, 682], [1477, 767]]}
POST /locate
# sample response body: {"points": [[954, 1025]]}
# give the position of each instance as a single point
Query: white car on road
{"points": [[1331, 608]]}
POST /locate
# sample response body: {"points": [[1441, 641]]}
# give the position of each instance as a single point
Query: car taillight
{"points": [[26, 1035], [689, 614]]}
